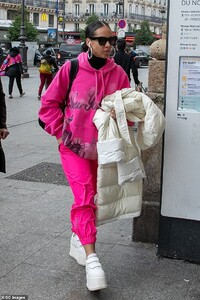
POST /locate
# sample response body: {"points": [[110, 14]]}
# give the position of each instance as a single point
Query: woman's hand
{"points": [[59, 140], [113, 114], [3, 133]]}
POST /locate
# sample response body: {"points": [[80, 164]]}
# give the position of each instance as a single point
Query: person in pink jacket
{"points": [[97, 77]]}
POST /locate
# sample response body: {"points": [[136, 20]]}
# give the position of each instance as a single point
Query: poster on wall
{"points": [[51, 35], [189, 84]]}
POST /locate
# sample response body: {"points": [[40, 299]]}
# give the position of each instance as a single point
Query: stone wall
{"points": [[146, 227], [156, 77]]}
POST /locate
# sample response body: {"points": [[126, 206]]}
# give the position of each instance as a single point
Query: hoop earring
{"points": [[112, 52], [89, 52]]}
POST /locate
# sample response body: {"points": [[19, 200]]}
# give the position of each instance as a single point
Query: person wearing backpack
{"points": [[98, 76], [126, 61], [12, 66], [47, 67]]}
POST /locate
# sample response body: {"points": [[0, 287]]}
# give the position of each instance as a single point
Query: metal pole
{"points": [[57, 31], [63, 20], [162, 11], [56, 23], [22, 46]]}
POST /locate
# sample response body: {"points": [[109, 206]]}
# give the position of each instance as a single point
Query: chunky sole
{"points": [[95, 284], [77, 256]]}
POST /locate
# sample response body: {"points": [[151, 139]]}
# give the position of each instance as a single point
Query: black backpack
{"points": [[72, 75]]}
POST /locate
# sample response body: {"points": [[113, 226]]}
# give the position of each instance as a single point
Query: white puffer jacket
{"points": [[120, 170]]}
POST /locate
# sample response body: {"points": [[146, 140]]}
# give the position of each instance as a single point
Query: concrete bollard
{"points": [[146, 227]]}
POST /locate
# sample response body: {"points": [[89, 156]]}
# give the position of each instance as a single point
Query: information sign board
{"points": [[181, 157]]}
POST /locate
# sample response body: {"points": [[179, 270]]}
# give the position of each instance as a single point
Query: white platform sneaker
{"points": [[95, 276], [77, 250]]}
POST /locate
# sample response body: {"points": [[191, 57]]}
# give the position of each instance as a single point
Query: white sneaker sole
{"points": [[77, 256], [95, 284]]}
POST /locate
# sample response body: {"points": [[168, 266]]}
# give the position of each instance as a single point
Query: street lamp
{"points": [[56, 23], [162, 11], [22, 46], [87, 13], [63, 24]]}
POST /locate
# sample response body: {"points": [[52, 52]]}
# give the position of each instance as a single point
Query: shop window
{"points": [[77, 10], [11, 14], [105, 9], [36, 19], [143, 10], [91, 9], [77, 28], [51, 20]]}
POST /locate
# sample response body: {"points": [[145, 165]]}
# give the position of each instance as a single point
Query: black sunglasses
{"points": [[103, 40]]}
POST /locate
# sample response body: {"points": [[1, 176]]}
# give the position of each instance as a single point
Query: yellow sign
{"points": [[44, 17], [60, 19]]}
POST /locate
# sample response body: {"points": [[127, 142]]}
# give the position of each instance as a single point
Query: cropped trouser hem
{"points": [[88, 241]]}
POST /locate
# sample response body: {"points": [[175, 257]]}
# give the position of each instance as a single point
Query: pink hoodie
{"points": [[88, 89]]}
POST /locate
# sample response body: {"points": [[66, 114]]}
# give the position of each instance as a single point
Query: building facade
{"points": [[69, 16]]}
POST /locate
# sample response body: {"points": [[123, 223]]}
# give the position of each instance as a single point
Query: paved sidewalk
{"points": [[35, 228]]}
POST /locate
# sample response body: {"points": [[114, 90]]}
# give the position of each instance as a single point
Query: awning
{"points": [[130, 39], [157, 36], [42, 37]]}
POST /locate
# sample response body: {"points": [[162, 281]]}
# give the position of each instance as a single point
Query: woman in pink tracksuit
{"points": [[97, 77]]}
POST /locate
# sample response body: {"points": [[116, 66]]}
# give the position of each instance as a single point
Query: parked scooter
{"points": [[37, 58]]}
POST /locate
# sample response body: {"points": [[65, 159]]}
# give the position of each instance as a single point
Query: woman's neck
{"points": [[97, 62]]}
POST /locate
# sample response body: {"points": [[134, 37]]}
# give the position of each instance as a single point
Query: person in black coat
{"points": [[14, 70], [3, 128], [126, 62]]}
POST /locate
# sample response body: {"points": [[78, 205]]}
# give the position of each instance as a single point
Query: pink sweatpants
{"points": [[82, 177]]}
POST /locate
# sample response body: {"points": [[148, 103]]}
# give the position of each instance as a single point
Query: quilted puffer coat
{"points": [[120, 170]]}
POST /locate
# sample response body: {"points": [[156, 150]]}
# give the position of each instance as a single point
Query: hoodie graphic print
{"points": [[88, 89]]}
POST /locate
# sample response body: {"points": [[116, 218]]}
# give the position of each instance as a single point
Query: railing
{"points": [[36, 3], [130, 16], [83, 15], [11, 1], [148, 18], [52, 5]]}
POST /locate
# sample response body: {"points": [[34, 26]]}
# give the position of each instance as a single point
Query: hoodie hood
{"points": [[13, 54], [14, 51], [100, 75]]}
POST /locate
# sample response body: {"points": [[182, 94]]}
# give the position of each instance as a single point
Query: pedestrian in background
{"points": [[97, 77], [47, 68], [12, 66], [3, 128], [125, 60]]}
